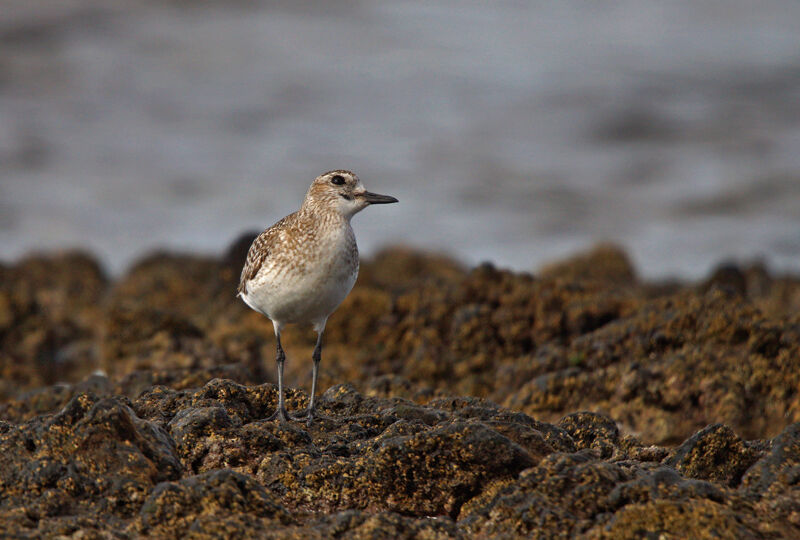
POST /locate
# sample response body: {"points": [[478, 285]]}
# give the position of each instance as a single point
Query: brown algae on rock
{"points": [[601, 406]]}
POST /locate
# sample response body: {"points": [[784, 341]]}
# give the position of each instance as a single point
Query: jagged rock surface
{"points": [[601, 406]]}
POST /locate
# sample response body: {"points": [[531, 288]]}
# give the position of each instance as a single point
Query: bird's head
{"points": [[342, 192]]}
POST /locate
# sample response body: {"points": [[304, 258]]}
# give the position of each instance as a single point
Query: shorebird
{"points": [[300, 269]]}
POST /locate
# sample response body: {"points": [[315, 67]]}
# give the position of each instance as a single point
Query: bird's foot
{"points": [[310, 415], [282, 415]]}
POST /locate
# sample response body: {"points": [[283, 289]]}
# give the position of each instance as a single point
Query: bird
{"points": [[301, 268]]}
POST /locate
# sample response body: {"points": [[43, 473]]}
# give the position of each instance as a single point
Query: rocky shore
{"points": [[460, 403]]}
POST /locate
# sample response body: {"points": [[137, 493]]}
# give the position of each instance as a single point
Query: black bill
{"points": [[374, 198]]}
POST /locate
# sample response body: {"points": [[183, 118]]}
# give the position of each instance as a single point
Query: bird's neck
{"points": [[324, 212]]}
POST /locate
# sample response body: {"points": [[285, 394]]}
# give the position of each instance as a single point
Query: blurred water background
{"points": [[517, 132]]}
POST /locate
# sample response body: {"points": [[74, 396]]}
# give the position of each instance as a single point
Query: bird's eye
{"points": [[338, 180]]}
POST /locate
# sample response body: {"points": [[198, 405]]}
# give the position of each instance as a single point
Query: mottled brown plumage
{"points": [[300, 269], [258, 253]]}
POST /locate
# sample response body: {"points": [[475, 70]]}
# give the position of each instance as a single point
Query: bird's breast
{"points": [[311, 282]]}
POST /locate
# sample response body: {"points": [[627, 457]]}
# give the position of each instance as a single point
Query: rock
{"points": [[204, 462], [93, 457], [556, 498], [714, 453], [149, 339], [591, 430], [676, 519], [384, 525], [400, 268], [236, 255], [403, 464], [49, 313], [606, 262], [179, 312], [779, 468], [456, 403], [664, 483], [727, 276], [219, 503], [435, 472], [673, 366]]}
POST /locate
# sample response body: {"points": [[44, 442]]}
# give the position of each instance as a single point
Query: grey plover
{"points": [[300, 269]]}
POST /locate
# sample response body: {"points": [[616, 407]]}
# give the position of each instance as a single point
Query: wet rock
{"points": [[591, 430], [150, 339], [394, 385], [385, 525], [394, 462], [95, 456], [665, 366], [236, 255], [673, 366], [714, 453], [178, 312], [400, 268], [183, 285], [204, 462], [779, 469], [503, 419], [219, 503], [458, 332], [445, 467], [606, 262], [67, 286], [455, 403], [727, 276], [664, 483], [188, 424], [50, 308], [558, 497], [677, 519]]}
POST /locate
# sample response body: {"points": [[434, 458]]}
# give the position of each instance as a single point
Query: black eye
{"points": [[338, 180]]}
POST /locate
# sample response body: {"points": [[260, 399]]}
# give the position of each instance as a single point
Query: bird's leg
{"points": [[280, 413], [316, 356]]}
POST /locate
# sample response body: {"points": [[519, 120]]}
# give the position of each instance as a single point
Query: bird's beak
{"points": [[374, 198]]}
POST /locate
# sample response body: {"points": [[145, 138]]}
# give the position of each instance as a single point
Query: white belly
{"points": [[290, 298], [303, 281]]}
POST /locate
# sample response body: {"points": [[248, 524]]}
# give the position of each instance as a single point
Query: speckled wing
{"points": [[259, 252]]}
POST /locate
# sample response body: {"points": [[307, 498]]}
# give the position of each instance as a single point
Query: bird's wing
{"points": [[259, 252]]}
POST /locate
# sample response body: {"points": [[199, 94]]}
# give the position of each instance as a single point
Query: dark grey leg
{"points": [[316, 357], [311, 412], [280, 413]]}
